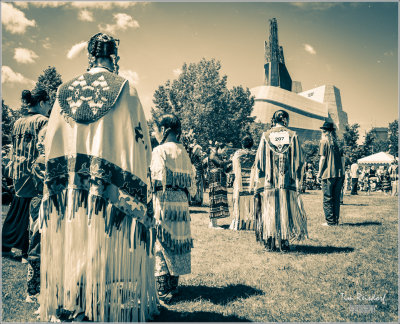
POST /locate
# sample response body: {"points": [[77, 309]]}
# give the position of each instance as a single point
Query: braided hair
{"points": [[105, 46], [32, 98], [171, 123], [247, 141], [281, 117]]}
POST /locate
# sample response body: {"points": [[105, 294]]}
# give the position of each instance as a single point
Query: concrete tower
{"points": [[276, 74]]}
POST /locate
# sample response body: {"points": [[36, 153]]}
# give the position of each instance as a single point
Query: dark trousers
{"points": [[33, 278], [354, 185], [331, 189], [15, 233]]}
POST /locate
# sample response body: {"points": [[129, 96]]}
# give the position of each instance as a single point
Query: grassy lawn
{"points": [[322, 279]]}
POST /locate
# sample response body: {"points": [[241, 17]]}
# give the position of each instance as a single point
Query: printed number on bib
{"points": [[279, 139]]}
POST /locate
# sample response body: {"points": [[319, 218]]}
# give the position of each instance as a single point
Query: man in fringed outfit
{"points": [[97, 242], [280, 215], [24, 152]]}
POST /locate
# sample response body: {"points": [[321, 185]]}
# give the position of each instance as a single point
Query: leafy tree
{"points": [[310, 150], [50, 80], [368, 145], [393, 135], [8, 118], [202, 101], [256, 129], [351, 149]]}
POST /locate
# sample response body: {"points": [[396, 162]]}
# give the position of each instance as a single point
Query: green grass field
{"points": [[323, 279]]}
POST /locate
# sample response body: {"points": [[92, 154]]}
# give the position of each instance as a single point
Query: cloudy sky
{"points": [[353, 46]]}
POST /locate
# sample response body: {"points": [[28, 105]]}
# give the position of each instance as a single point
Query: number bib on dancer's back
{"points": [[279, 139]]}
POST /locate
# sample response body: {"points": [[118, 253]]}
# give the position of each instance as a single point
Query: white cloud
{"points": [[14, 20], [24, 55], [9, 76], [76, 50], [104, 5], [310, 49], [131, 76], [85, 15], [318, 6], [21, 4], [46, 43], [177, 72], [51, 4], [122, 22]]}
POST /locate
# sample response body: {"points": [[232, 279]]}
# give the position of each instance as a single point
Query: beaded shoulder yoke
{"points": [[89, 97]]}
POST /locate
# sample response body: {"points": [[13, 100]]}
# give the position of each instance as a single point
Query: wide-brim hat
{"points": [[329, 126]]}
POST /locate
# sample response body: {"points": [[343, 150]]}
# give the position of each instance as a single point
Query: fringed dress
{"points": [[243, 196], [97, 241], [280, 215], [219, 207], [25, 136], [173, 178]]}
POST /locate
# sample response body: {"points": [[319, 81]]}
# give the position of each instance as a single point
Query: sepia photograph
{"points": [[200, 161]]}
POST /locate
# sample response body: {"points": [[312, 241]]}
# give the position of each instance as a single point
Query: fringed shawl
{"points": [[171, 167], [25, 150], [100, 164], [277, 167], [242, 162]]}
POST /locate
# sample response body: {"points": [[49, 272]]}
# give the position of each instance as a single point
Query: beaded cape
{"points": [[89, 97]]}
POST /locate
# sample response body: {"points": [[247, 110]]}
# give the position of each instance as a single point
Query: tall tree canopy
{"points": [[50, 80], [201, 99], [8, 118], [351, 149], [394, 138]]}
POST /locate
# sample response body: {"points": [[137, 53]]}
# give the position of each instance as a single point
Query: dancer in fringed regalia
{"points": [[97, 242], [24, 152], [217, 166], [173, 178], [197, 158], [280, 215], [243, 197]]}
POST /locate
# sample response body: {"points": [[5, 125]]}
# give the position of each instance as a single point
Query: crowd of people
{"points": [[103, 218], [369, 179]]}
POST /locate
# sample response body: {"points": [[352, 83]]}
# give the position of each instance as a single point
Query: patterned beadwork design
{"points": [[89, 97]]}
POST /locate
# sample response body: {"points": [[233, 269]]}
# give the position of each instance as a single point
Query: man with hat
{"points": [[331, 173]]}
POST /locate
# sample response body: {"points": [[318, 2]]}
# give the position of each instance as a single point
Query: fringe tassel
{"points": [[173, 245], [110, 278], [93, 205], [178, 179], [176, 215], [283, 215]]}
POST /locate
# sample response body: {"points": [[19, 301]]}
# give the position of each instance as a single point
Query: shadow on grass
{"points": [[361, 224], [167, 315], [197, 211], [311, 249], [216, 295]]}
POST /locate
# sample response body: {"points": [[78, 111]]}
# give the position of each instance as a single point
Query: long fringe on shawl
{"points": [[93, 259], [280, 215], [175, 246], [173, 220], [25, 150]]}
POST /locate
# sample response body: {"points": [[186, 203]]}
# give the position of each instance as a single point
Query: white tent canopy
{"points": [[377, 158]]}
